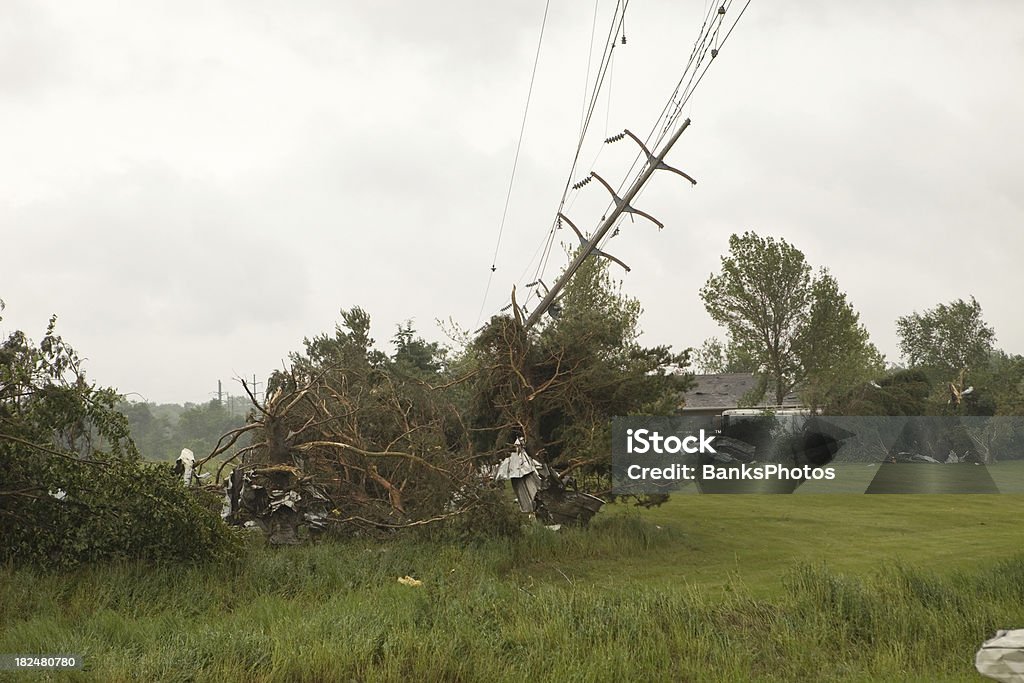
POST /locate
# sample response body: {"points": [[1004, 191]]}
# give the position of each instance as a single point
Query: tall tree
{"points": [[762, 298], [797, 328], [950, 338], [833, 348]]}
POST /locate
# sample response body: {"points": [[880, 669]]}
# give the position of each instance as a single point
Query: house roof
{"points": [[725, 390]]}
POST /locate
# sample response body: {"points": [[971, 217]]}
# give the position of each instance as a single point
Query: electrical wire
{"points": [[515, 162], [693, 73], [694, 81], [615, 28]]}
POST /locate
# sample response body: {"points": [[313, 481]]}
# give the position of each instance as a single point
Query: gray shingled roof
{"points": [[725, 391]]}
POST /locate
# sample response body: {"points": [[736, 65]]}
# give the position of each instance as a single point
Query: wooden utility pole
{"points": [[653, 164]]}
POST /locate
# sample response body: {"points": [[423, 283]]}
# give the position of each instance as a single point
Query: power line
{"points": [[615, 27], [713, 21], [705, 41], [515, 161], [693, 73], [613, 34]]}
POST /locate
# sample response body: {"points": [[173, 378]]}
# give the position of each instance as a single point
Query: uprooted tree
{"points": [[385, 442], [374, 441]]}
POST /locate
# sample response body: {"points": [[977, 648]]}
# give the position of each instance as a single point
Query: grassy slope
{"points": [[728, 588]]}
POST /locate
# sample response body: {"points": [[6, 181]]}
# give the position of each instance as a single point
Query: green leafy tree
{"points": [[998, 386], [833, 348], [351, 346], [717, 357], [72, 488], [560, 386], [200, 427], [762, 297], [153, 435], [950, 338], [414, 355], [901, 393], [1006, 379], [798, 329]]}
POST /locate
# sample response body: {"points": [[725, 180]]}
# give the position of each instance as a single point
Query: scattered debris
{"points": [[409, 581], [1002, 658], [953, 458], [278, 499], [539, 490], [185, 466], [525, 474]]}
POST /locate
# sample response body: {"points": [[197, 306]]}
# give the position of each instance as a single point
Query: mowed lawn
{"points": [[751, 539], [704, 588]]}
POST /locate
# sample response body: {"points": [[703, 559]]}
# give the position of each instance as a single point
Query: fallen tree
{"points": [[72, 486], [349, 440]]}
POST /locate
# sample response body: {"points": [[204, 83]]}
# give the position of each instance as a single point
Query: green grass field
{"points": [[705, 588]]}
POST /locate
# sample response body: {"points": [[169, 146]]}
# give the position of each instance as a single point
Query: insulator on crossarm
{"points": [[581, 183], [614, 138]]}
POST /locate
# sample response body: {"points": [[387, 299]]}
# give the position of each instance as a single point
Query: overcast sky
{"points": [[193, 187]]}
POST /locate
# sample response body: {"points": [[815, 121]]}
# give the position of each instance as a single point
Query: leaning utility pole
{"points": [[622, 205]]}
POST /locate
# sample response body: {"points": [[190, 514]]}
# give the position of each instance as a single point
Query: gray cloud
{"points": [[207, 184], [31, 55]]}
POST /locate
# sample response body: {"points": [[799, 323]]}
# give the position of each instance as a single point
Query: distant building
{"points": [[714, 394]]}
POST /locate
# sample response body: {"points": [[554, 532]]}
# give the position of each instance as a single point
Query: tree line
{"points": [[160, 431], [397, 439], [796, 330]]}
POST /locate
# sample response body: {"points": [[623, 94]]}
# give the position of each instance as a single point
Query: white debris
{"points": [[517, 464], [1002, 658], [287, 499], [185, 466], [523, 472]]}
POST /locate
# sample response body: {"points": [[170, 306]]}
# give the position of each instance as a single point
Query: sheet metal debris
{"points": [[1002, 658], [541, 491], [279, 499]]}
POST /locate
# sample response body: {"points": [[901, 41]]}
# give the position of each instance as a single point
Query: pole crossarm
{"points": [[606, 225], [585, 243], [657, 163], [623, 206]]}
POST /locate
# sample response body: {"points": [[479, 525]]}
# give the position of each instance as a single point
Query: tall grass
{"points": [[504, 610]]}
